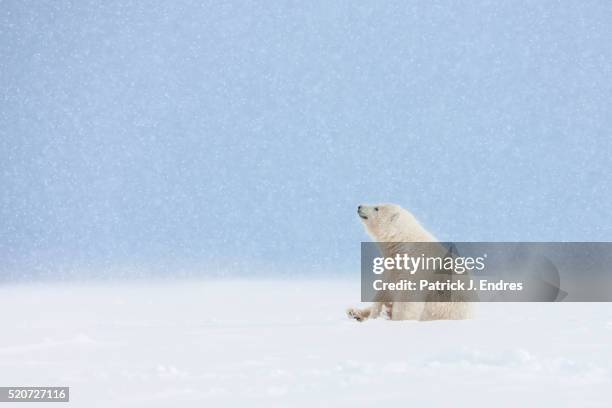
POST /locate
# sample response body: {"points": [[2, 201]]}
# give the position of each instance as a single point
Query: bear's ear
{"points": [[394, 217]]}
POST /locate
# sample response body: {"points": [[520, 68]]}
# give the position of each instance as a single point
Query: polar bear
{"points": [[390, 223]]}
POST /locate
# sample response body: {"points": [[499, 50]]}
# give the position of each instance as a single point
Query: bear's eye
{"points": [[375, 208]]}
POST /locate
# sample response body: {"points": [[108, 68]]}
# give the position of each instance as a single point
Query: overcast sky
{"points": [[149, 133]]}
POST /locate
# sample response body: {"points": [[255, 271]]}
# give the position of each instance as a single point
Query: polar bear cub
{"points": [[392, 223]]}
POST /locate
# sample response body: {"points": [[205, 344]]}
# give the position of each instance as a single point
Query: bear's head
{"points": [[392, 223]]}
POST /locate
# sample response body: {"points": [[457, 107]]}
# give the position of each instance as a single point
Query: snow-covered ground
{"points": [[288, 343]]}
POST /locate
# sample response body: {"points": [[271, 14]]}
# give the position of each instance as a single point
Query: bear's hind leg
{"points": [[360, 315]]}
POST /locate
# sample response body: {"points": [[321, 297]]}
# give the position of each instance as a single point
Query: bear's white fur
{"points": [[390, 223]]}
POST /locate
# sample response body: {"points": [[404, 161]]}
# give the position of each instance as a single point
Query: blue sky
{"points": [[148, 133]]}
